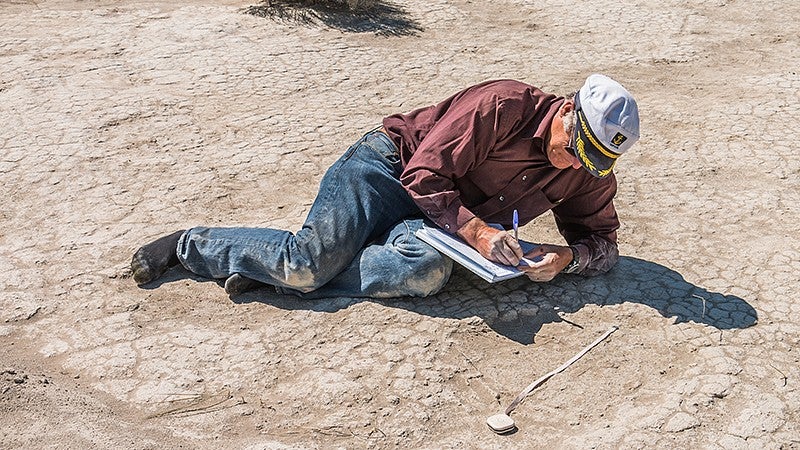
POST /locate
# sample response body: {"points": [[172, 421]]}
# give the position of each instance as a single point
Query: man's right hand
{"points": [[495, 245]]}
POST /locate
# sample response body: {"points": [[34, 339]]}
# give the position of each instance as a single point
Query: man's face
{"points": [[557, 152]]}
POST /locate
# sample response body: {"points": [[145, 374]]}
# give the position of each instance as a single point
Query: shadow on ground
{"points": [[381, 18], [517, 309]]}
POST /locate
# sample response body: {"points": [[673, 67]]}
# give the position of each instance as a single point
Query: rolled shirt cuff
{"points": [[583, 256]]}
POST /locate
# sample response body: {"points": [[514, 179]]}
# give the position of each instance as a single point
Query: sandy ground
{"points": [[123, 121]]}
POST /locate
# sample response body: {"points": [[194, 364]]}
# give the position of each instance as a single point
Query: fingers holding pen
{"points": [[505, 249], [495, 245]]}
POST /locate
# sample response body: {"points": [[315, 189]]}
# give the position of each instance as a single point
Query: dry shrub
{"points": [[360, 4], [354, 16], [332, 4]]}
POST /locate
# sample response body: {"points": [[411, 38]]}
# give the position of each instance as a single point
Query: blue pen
{"points": [[516, 225]]}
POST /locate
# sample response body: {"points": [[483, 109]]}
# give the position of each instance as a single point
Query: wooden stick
{"points": [[561, 368]]}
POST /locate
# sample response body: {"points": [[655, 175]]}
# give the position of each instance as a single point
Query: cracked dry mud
{"points": [[124, 121]]}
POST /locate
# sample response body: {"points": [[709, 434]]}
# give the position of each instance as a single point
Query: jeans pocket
{"points": [[393, 157], [382, 146]]}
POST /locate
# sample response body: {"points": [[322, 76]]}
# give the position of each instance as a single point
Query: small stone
{"points": [[681, 422]]}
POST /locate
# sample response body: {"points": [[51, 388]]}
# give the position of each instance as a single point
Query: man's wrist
{"points": [[470, 230], [575, 263]]}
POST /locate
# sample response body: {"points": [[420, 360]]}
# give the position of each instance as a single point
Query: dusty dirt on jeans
{"points": [[123, 121]]}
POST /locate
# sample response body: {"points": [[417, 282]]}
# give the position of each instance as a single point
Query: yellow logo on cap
{"points": [[618, 139]]}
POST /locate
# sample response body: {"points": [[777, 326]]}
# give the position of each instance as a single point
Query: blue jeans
{"points": [[357, 241]]}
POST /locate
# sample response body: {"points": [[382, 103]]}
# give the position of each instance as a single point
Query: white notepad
{"points": [[462, 253]]}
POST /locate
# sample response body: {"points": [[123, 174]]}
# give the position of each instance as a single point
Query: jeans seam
{"points": [[352, 150], [408, 231], [338, 165]]}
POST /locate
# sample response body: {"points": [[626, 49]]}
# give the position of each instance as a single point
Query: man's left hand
{"points": [[554, 258]]}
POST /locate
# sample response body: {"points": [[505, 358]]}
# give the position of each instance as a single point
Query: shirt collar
{"points": [[542, 127]]}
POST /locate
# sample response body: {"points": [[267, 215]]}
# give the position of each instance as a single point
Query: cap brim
{"points": [[595, 158]]}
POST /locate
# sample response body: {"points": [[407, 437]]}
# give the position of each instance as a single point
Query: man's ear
{"points": [[568, 106]]}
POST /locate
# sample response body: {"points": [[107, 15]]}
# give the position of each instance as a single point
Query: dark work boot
{"points": [[237, 284], [153, 259]]}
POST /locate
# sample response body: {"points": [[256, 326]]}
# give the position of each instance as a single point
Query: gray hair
{"points": [[570, 120]]}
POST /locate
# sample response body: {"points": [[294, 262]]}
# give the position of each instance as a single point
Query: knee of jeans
{"points": [[429, 276], [304, 278]]}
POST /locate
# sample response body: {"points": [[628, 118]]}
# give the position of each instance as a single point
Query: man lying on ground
{"points": [[473, 158]]}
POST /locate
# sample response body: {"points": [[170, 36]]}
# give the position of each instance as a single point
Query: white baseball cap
{"points": [[607, 124]]}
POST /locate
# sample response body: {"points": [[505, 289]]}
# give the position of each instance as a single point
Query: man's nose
{"points": [[576, 164]]}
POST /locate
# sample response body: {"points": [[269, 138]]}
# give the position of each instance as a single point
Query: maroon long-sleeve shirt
{"points": [[482, 153]]}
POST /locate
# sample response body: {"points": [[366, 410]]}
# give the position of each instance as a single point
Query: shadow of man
{"points": [[518, 308]]}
